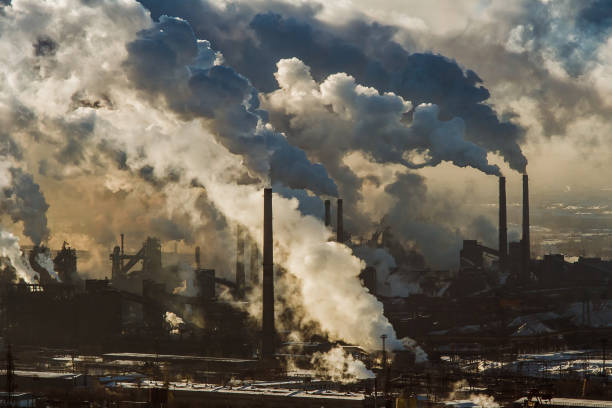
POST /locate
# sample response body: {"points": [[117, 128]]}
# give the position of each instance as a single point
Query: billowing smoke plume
{"points": [[25, 202], [336, 117], [350, 117], [10, 249], [338, 365], [253, 39], [169, 53], [43, 259], [22, 199], [344, 310]]}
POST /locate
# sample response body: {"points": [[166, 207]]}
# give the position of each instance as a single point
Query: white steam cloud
{"points": [[44, 259], [338, 365], [10, 249], [352, 117]]}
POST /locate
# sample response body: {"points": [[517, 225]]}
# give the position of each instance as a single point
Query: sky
{"points": [[125, 116]]}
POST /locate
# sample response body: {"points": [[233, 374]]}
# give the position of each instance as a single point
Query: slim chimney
{"points": [[267, 346], [340, 224], [240, 274], [197, 257], [122, 253], [327, 213], [503, 226], [526, 245]]}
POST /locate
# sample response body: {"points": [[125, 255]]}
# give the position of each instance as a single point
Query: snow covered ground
{"points": [[549, 365]]}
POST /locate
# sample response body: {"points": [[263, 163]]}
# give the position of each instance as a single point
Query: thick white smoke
{"points": [[339, 113], [327, 272], [338, 365], [44, 259], [9, 248]]}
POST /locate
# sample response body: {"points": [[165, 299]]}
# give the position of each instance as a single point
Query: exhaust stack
{"points": [[526, 244], [503, 226], [340, 223], [327, 213], [267, 344]]}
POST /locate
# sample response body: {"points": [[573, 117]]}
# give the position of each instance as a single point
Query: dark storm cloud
{"points": [[167, 61], [253, 42]]}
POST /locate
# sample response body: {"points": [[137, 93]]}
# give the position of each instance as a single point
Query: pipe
{"points": [[267, 346], [503, 226], [526, 245], [327, 213], [340, 224]]}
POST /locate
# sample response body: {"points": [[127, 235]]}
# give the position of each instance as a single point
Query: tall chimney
{"points": [[327, 213], [197, 257], [240, 274], [526, 245], [340, 223], [503, 226], [122, 252], [267, 344]]}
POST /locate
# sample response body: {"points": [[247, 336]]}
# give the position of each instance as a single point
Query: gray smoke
{"points": [[350, 117], [254, 36], [170, 53], [23, 201]]}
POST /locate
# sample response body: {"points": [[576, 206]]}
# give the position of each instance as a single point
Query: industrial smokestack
{"points": [[240, 274], [267, 346], [327, 213], [526, 245], [503, 226], [197, 257], [340, 223]]}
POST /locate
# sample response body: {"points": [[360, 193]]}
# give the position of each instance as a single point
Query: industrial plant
{"points": [[503, 329]]}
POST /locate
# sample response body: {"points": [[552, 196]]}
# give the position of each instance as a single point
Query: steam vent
{"points": [[306, 204]]}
